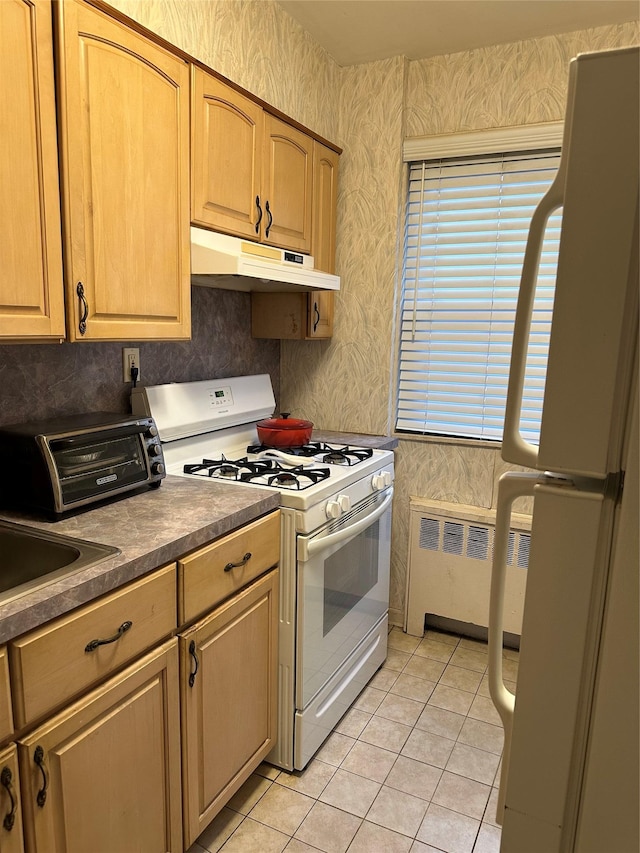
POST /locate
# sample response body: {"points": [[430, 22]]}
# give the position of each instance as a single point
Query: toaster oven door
{"points": [[94, 467]]}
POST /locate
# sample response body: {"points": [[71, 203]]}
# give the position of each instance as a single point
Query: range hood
{"points": [[230, 263]]}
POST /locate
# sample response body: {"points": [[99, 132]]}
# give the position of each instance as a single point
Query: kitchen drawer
{"points": [[6, 717], [204, 578], [54, 663]]}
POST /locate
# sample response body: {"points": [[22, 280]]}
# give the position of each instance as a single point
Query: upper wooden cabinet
{"points": [[124, 137], [252, 174], [287, 185], [325, 203], [306, 316], [226, 157], [31, 291]]}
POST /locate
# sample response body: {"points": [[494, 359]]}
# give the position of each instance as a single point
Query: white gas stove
{"points": [[204, 433], [335, 542]]}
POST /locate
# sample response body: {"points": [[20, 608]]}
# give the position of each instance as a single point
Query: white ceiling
{"points": [[354, 31]]}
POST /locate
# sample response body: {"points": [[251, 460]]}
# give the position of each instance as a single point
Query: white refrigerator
{"points": [[569, 777]]}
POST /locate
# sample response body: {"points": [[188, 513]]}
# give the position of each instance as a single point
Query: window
{"points": [[467, 219]]}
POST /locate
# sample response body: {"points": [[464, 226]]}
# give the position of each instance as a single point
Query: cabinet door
{"points": [[104, 775], [6, 714], [124, 109], [320, 316], [325, 203], [287, 186], [228, 665], [31, 287], [11, 840], [323, 247], [226, 157]]}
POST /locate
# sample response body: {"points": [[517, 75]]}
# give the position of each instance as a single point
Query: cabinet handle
{"points": [[38, 757], [5, 780], [192, 652], [270, 215], [90, 647], [259, 214], [243, 562], [84, 305], [316, 316]]}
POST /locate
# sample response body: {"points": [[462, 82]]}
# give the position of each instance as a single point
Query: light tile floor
{"points": [[411, 767]]}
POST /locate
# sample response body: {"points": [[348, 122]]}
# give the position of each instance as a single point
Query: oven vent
{"points": [[450, 554]]}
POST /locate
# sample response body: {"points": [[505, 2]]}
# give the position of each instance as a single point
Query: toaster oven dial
{"points": [[157, 468], [152, 431], [155, 450]]}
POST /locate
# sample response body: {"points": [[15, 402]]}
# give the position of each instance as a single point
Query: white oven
{"points": [[341, 624], [335, 544]]}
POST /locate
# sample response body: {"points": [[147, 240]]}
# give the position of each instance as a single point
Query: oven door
{"points": [[343, 590]]}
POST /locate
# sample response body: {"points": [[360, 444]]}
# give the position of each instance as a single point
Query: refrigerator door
{"points": [[595, 306], [608, 816], [570, 543]]}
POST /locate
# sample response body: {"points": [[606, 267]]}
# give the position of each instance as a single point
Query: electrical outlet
{"points": [[130, 358]]}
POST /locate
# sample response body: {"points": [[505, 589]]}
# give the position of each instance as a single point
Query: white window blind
{"points": [[467, 222]]}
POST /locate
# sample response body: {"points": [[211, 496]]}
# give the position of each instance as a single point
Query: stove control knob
{"points": [[381, 481], [155, 450], [333, 509], [345, 502], [377, 482], [152, 431], [157, 468]]}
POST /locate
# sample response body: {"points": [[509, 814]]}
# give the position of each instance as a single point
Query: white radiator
{"points": [[449, 567]]}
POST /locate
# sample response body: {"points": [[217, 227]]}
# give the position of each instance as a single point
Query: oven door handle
{"points": [[322, 542]]}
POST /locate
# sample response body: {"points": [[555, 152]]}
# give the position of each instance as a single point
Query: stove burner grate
{"points": [[333, 454], [269, 472]]}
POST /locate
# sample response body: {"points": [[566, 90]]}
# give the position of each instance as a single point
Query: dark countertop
{"points": [[151, 529], [380, 442]]}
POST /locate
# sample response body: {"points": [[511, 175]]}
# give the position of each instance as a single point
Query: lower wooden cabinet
{"points": [[11, 838], [104, 774], [228, 665]]}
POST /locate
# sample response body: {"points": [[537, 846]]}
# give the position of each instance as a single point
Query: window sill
{"points": [[445, 439]]}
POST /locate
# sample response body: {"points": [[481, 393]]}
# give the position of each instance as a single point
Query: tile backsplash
{"points": [[45, 380]]}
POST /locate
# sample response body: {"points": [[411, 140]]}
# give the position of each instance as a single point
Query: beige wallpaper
{"points": [[255, 44], [501, 86], [367, 110]]}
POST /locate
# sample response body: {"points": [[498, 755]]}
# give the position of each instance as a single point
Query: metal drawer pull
{"points": [[259, 214], [192, 652], [316, 316], [5, 780], [121, 630], [38, 757], [270, 215], [243, 562], [82, 324]]}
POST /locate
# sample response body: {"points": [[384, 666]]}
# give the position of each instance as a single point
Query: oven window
{"points": [[349, 575], [94, 469]]}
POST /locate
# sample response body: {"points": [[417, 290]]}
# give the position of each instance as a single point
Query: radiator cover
{"points": [[449, 565]]}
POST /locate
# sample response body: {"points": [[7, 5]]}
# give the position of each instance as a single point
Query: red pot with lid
{"points": [[284, 431]]}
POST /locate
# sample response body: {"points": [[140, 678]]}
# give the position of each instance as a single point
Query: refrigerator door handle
{"points": [[512, 485], [514, 447]]}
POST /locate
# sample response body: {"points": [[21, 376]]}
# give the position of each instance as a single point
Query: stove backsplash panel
{"points": [[45, 380]]}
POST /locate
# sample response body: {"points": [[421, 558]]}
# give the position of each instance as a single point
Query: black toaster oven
{"points": [[61, 464]]}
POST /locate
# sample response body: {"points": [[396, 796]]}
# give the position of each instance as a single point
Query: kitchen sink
{"points": [[31, 558]]}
